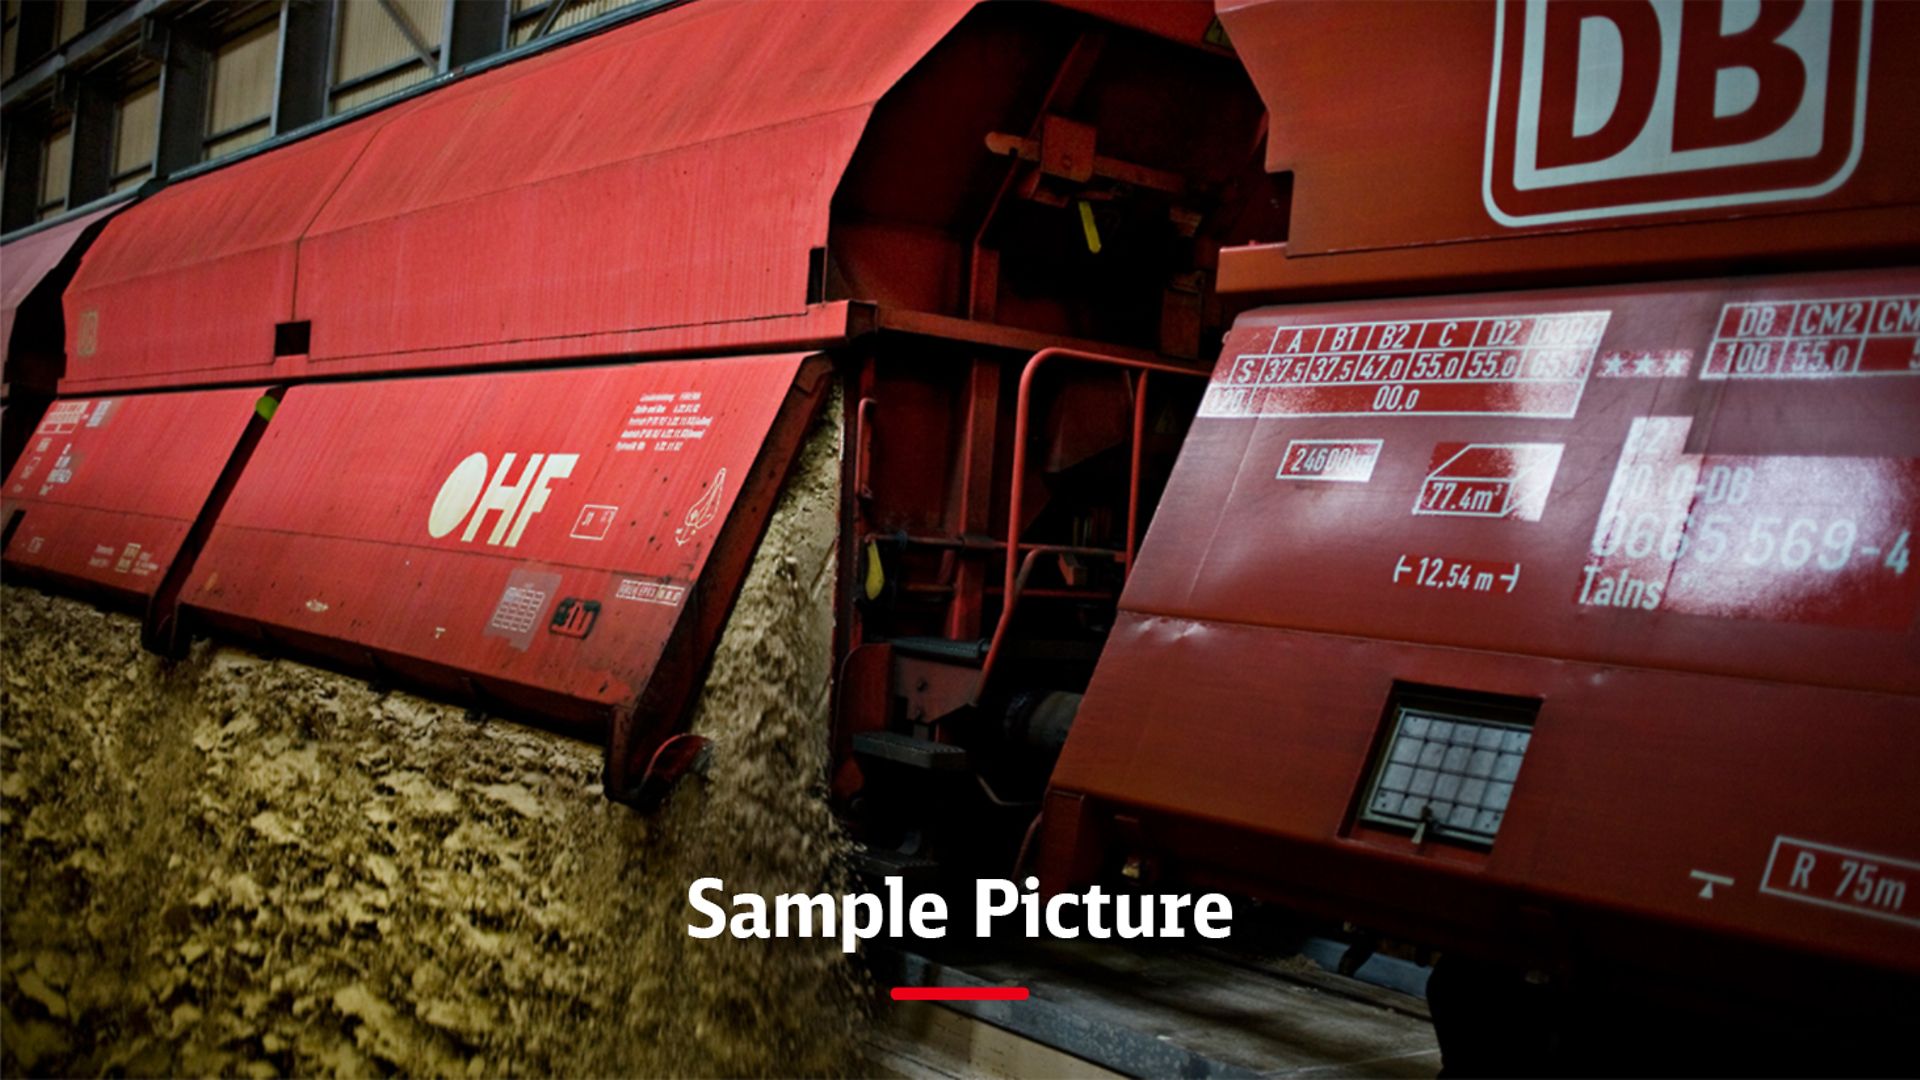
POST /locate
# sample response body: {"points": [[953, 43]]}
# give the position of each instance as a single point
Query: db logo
{"points": [[469, 495], [1608, 108]]}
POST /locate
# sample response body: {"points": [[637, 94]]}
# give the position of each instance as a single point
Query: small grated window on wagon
{"points": [[1445, 772]]}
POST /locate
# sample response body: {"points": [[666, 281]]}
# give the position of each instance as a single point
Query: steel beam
{"points": [[91, 176], [35, 33], [22, 185], [548, 18], [34, 80], [476, 29], [412, 33], [300, 89], [185, 79]]}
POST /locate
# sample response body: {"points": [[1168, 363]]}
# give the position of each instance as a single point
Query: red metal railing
{"points": [[1021, 423], [1020, 567]]}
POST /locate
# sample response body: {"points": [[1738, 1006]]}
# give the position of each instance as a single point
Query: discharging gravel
{"points": [[242, 866]]}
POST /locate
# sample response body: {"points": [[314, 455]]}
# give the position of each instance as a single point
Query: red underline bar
{"points": [[959, 993]]}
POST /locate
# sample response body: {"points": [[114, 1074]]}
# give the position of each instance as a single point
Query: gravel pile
{"points": [[242, 866]]}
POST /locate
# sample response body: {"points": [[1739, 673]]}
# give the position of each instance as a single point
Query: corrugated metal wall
{"points": [[240, 101], [371, 42], [56, 161], [9, 37], [73, 19], [578, 11], [376, 89], [370, 57], [136, 132], [69, 22]]}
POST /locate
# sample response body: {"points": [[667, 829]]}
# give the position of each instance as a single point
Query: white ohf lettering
{"points": [[463, 498], [457, 495]]}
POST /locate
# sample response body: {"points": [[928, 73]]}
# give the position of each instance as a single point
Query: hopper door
{"points": [[564, 543]]}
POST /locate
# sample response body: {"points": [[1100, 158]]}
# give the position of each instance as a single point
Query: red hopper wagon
{"points": [[1524, 398], [1570, 631]]}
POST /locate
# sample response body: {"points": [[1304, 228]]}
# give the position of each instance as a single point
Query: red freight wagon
{"points": [[565, 543], [932, 192], [1571, 632], [109, 490], [1513, 623]]}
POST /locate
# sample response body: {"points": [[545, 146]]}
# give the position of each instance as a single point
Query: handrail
{"points": [[1021, 421], [863, 449], [1020, 567]]}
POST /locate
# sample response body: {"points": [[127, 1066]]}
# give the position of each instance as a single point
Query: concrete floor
{"points": [[1099, 1009]]}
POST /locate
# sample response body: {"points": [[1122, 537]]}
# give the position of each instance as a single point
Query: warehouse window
{"points": [[240, 94], [381, 49], [136, 131], [56, 168], [529, 16]]}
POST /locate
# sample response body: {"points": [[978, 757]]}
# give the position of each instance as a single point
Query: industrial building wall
{"points": [[136, 131], [56, 163], [87, 112], [73, 18], [528, 15], [382, 51], [240, 99], [9, 39]]}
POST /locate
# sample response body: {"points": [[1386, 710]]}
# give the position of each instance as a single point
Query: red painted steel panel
{"points": [[545, 539], [109, 487], [1681, 515], [26, 261], [1408, 125], [818, 327], [1182, 21], [1635, 778], [1588, 371], [683, 173], [681, 177], [190, 282]]}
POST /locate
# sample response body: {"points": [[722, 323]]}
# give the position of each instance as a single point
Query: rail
{"points": [[1021, 423], [1019, 567]]}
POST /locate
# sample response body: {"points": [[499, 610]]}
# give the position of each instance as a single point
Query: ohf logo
{"points": [[471, 492], [1611, 108]]}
